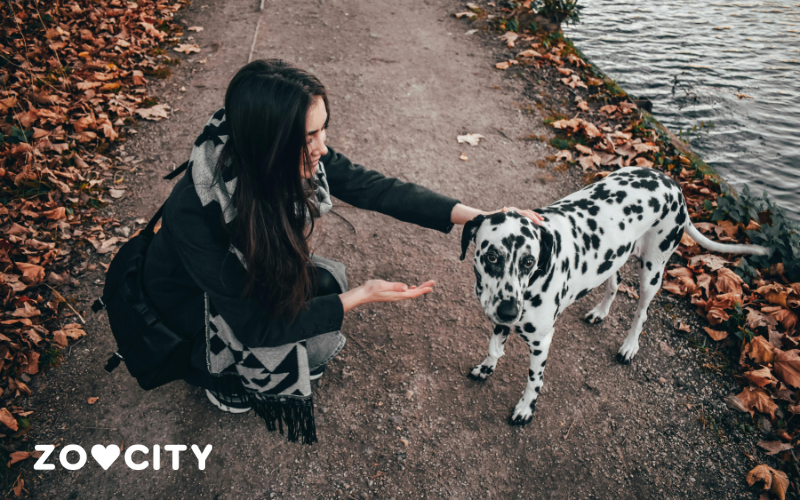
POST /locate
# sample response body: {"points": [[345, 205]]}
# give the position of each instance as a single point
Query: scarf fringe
{"points": [[276, 411]]}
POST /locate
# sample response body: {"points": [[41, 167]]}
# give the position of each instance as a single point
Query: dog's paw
{"points": [[523, 413], [480, 373], [595, 316], [627, 351]]}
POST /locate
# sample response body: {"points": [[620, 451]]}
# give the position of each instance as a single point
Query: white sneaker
{"points": [[234, 404]]}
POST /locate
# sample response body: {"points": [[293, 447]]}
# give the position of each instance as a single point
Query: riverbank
{"points": [[750, 304]]}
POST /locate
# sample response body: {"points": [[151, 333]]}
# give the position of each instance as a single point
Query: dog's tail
{"points": [[723, 247]]}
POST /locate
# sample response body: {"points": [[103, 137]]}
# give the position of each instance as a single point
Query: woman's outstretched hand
{"points": [[382, 291]]}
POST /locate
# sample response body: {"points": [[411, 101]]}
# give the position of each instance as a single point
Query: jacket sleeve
{"points": [[372, 190], [204, 249]]}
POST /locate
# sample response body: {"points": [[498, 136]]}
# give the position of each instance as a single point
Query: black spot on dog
{"points": [[526, 232], [595, 242], [544, 363], [535, 353], [536, 301], [681, 218], [583, 268], [620, 195], [530, 328], [672, 239], [622, 225], [565, 266], [487, 370], [654, 281], [509, 288], [605, 266], [609, 255], [497, 218], [549, 279], [654, 204], [674, 206], [501, 330], [582, 294], [621, 250], [649, 266], [592, 224], [586, 241], [484, 244]]}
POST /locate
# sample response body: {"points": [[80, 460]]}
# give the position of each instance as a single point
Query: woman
{"points": [[232, 258]]}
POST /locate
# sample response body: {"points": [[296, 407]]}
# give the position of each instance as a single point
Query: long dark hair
{"points": [[265, 107]]}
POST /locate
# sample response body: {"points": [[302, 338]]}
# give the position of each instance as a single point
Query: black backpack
{"points": [[153, 354]]}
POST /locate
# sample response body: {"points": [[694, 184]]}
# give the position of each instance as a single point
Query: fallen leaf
{"points": [[93, 400], [754, 398], [787, 367], [564, 156], [18, 456], [463, 157], [715, 334], [471, 139], [774, 447], [761, 377], [187, 48], [775, 481], [8, 420], [116, 193], [735, 404], [759, 350], [684, 327], [154, 113], [195, 28]]}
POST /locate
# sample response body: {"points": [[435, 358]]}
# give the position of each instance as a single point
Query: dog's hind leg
{"points": [[651, 272], [496, 350], [539, 346], [600, 311]]}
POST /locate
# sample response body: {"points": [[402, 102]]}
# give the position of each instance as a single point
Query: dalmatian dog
{"points": [[528, 274]]}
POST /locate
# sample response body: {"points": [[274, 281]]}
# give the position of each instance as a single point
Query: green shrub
{"points": [[559, 10], [778, 233]]}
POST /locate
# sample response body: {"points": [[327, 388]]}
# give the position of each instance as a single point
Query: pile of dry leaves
{"points": [[608, 131], [73, 76]]}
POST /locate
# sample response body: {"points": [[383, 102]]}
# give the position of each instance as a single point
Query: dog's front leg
{"points": [[496, 350], [539, 347]]}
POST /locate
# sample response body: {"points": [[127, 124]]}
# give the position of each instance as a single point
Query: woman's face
{"points": [[315, 135]]}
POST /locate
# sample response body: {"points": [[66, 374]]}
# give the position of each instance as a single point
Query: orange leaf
{"points": [[18, 456], [757, 399], [760, 377], [8, 420], [715, 334], [760, 350], [787, 367], [775, 481]]}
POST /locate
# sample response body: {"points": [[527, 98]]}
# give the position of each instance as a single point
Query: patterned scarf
{"points": [[275, 380]]}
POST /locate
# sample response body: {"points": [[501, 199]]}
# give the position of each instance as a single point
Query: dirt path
{"points": [[404, 80]]}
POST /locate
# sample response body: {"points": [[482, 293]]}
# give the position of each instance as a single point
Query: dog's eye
{"points": [[491, 257], [528, 262]]}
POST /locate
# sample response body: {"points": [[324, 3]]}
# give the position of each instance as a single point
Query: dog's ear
{"points": [[545, 254], [469, 232]]}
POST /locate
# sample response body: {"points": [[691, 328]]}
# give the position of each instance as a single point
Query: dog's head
{"points": [[510, 253]]}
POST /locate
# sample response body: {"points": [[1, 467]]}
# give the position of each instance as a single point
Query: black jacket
{"points": [[191, 255]]}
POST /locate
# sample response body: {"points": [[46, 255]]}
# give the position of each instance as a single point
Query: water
{"points": [[691, 59]]}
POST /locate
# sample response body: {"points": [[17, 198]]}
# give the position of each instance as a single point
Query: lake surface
{"points": [[691, 59]]}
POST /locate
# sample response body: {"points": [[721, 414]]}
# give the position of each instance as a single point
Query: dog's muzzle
{"points": [[507, 311]]}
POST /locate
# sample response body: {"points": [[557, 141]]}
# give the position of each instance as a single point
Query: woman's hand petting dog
{"points": [[533, 216], [383, 291]]}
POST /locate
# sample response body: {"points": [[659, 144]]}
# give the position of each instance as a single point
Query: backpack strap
{"points": [[148, 232]]}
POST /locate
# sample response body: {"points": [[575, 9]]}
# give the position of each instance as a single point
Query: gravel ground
{"points": [[405, 80]]}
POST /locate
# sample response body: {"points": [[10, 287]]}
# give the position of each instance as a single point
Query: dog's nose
{"points": [[507, 310]]}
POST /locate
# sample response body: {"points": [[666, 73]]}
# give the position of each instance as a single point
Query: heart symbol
{"points": [[105, 455]]}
